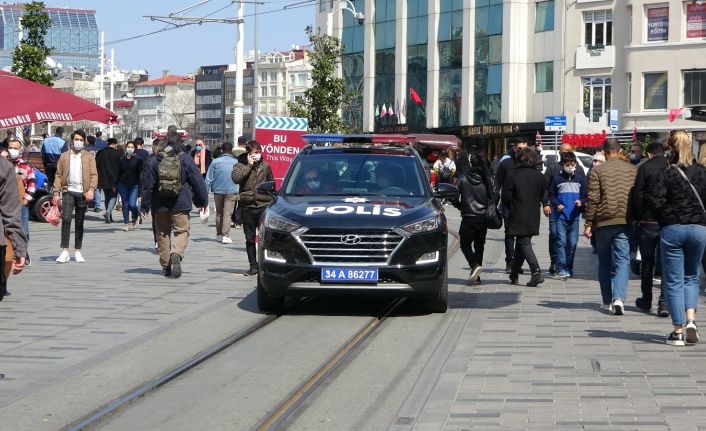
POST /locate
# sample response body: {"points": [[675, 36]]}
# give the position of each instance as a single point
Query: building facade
{"points": [[166, 101], [283, 76], [73, 36]]}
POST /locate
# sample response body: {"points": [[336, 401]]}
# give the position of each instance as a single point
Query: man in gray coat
{"points": [[11, 223]]}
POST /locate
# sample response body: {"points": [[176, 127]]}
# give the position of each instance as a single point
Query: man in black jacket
{"points": [[107, 165], [508, 163], [643, 213], [550, 173]]}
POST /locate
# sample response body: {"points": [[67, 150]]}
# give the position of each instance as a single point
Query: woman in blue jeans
{"points": [[678, 195], [129, 185]]}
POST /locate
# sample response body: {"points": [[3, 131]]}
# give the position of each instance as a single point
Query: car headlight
{"points": [[280, 223], [426, 225]]}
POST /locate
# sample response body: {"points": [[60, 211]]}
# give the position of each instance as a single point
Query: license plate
{"points": [[349, 275]]}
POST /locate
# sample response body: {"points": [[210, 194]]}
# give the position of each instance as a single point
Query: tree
{"points": [[180, 110], [29, 58], [322, 102]]}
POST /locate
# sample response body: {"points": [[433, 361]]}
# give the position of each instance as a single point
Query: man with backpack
{"points": [[171, 183], [445, 168]]}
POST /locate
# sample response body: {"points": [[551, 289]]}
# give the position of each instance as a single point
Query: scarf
{"points": [[200, 159]]}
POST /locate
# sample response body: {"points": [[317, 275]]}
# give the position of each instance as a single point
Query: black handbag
{"points": [[492, 216]]}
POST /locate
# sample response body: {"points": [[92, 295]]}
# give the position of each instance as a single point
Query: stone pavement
{"points": [[547, 358]]}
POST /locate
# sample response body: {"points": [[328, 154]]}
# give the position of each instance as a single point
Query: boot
{"points": [[536, 279], [514, 277]]}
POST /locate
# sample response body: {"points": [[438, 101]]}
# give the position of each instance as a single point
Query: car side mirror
{"points": [[446, 191], [267, 187]]}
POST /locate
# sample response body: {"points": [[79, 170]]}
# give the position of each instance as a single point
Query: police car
{"points": [[354, 214]]}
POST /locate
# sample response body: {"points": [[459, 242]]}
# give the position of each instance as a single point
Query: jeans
{"points": [[682, 250], [71, 201], [567, 236], [111, 199], [25, 220], [553, 238], [251, 218], [128, 194], [97, 199], [648, 240], [524, 251], [613, 247], [472, 237]]}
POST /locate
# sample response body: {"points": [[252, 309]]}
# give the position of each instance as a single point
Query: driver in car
{"points": [[388, 178], [312, 183]]}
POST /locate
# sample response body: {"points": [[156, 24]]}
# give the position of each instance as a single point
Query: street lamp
{"points": [[343, 5]]}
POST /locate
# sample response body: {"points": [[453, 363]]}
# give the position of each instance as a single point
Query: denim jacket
{"points": [[218, 177]]}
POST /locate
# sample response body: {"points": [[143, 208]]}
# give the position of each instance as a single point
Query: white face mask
{"points": [[78, 145], [130, 150], [14, 153], [570, 170], [256, 157]]}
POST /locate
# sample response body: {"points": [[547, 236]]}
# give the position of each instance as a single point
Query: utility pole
{"points": [[101, 78], [112, 85], [256, 77]]}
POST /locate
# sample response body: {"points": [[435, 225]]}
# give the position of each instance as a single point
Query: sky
{"points": [[185, 49]]}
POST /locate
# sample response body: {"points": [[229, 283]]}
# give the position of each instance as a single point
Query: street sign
{"points": [[555, 123], [281, 141], [614, 122]]}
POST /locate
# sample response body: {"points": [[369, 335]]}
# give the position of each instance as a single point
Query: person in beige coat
{"points": [[77, 178]]}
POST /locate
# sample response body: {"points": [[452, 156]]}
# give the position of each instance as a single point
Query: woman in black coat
{"points": [[522, 194]]}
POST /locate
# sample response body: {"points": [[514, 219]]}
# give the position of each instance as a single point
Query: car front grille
{"points": [[350, 247]]}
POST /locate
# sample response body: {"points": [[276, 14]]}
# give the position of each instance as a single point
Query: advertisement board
{"points": [[657, 24], [695, 20], [281, 141]]}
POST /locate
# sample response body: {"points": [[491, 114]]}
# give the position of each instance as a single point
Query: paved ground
{"points": [[511, 357]]}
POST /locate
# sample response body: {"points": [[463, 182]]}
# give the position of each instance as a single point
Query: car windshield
{"points": [[355, 174]]}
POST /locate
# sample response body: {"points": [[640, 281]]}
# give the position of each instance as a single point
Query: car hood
{"points": [[364, 212]]}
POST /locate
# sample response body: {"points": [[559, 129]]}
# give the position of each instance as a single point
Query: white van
{"points": [[552, 156]]}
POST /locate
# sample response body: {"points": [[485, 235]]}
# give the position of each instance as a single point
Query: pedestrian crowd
{"points": [[650, 207]]}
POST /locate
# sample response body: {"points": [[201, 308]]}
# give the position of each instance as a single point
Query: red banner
{"points": [[584, 140], [279, 148], [695, 20]]}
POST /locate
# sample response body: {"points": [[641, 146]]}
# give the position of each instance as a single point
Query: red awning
{"points": [[26, 102]]}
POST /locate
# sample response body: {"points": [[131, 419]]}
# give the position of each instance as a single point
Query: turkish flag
{"points": [[674, 113], [415, 97]]}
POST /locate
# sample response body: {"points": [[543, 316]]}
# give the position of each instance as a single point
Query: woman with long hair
{"points": [[474, 197], [678, 195], [130, 175]]}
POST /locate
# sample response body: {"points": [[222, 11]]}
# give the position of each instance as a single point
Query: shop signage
{"points": [[281, 140], [657, 24], [587, 140], [695, 20], [484, 130]]}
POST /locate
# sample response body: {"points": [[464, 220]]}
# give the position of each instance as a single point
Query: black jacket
{"points": [[674, 200], [130, 171], [473, 195], [505, 167], [641, 209], [108, 167], [522, 196], [193, 187]]}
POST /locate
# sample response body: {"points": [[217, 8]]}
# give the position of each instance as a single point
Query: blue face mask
{"points": [[198, 148]]}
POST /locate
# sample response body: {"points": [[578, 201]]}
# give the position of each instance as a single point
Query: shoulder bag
{"points": [[696, 193]]}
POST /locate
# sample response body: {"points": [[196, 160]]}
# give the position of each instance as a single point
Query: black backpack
{"points": [[169, 171]]}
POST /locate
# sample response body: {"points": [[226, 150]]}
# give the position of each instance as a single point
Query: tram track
{"points": [[291, 405]]}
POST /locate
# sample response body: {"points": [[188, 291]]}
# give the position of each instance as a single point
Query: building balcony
{"points": [[595, 57], [142, 112]]}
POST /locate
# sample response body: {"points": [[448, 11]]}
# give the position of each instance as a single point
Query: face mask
{"points": [[257, 157], [633, 157], [14, 153], [198, 148], [130, 150], [313, 184], [78, 145], [570, 170]]}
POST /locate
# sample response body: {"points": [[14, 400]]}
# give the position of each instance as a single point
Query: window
{"points": [[695, 87], [230, 110], [273, 90], [247, 95], [596, 97], [247, 80], [695, 20], [263, 91], [208, 113], [655, 90], [629, 104], [273, 76], [303, 79], [208, 85], [209, 128], [246, 124], [204, 100], [230, 94], [544, 77], [293, 79], [544, 16], [598, 28], [657, 24], [230, 82]]}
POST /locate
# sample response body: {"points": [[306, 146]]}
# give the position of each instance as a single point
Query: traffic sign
{"points": [[555, 123], [614, 122]]}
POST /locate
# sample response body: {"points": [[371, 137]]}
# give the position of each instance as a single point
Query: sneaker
{"points": [[563, 276], [219, 238], [607, 307], [618, 307], [663, 310], [175, 261], [63, 257], [28, 262], [675, 339], [97, 210], [552, 268], [536, 279], [250, 272], [126, 227], [226, 240], [657, 279], [508, 268], [106, 216], [642, 305], [473, 276], [478, 282], [692, 334], [156, 246], [166, 271], [78, 257]]}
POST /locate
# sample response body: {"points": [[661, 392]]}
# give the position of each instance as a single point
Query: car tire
{"points": [[41, 208], [266, 302], [440, 302]]}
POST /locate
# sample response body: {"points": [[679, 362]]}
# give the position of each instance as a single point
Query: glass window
{"points": [[657, 24], [273, 90], [695, 87], [695, 20], [544, 77], [495, 49], [656, 90], [598, 31], [495, 79], [544, 16], [596, 97], [495, 19]]}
